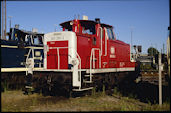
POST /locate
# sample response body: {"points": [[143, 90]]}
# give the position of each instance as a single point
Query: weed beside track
{"points": [[15, 101]]}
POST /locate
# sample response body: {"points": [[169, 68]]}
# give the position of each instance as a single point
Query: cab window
{"points": [[88, 30], [37, 40], [88, 27], [110, 33]]}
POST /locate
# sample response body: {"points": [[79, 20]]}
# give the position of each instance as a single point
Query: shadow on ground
{"points": [[145, 92]]}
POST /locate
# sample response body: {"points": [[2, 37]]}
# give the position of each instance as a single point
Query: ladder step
{"points": [[82, 89], [37, 63], [87, 75], [29, 87], [37, 58], [87, 82]]}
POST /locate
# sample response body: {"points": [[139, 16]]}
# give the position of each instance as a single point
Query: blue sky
{"points": [[148, 19]]}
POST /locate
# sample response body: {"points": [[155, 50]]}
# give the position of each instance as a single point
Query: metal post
{"points": [[2, 24], [163, 49], [58, 58], [10, 20], [160, 80], [131, 39], [5, 21]]}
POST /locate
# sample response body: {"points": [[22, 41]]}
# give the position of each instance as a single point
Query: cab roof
{"points": [[85, 22]]}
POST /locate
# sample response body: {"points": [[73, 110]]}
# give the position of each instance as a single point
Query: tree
{"points": [[152, 51]]}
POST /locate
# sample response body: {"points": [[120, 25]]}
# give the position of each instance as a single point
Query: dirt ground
{"points": [[15, 101]]}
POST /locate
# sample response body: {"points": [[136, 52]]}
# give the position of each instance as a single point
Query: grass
{"points": [[15, 101]]}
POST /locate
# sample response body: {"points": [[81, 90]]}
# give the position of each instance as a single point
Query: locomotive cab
{"points": [[107, 50]]}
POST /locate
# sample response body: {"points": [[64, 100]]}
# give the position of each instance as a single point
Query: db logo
{"points": [[112, 51]]}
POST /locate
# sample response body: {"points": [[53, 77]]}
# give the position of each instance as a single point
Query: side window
{"points": [[36, 40], [110, 33], [88, 29]]}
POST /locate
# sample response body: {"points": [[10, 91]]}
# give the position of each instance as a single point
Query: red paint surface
{"points": [[52, 57]]}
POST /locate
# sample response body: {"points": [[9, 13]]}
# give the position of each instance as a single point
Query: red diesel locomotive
{"points": [[84, 55]]}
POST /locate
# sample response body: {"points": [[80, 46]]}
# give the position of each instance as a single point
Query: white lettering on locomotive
{"points": [[122, 64]]}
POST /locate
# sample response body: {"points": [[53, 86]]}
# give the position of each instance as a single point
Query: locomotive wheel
{"points": [[106, 82], [98, 82]]}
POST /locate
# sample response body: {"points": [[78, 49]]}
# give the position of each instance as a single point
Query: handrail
{"points": [[31, 51], [101, 36], [101, 39], [79, 63], [28, 54], [93, 55], [105, 42], [27, 59]]}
